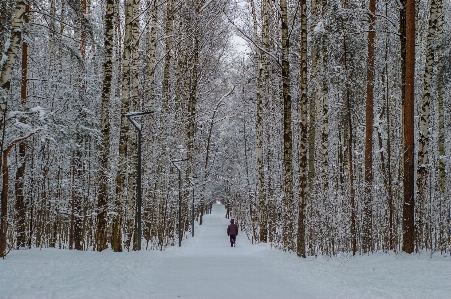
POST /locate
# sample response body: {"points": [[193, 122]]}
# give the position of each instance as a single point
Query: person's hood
{"points": [[232, 221]]}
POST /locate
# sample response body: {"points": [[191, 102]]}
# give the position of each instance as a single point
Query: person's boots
{"points": [[231, 244]]}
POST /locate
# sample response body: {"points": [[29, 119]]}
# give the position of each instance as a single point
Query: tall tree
{"points": [[103, 198], [408, 28], [121, 178], [151, 57], [259, 117], [367, 220], [288, 225], [424, 127], [10, 53], [303, 140], [441, 100], [20, 173], [135, 105]]}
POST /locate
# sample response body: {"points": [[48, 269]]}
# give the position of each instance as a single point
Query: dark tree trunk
{"points": [[408, 30], [20, 173], [367, 220]]}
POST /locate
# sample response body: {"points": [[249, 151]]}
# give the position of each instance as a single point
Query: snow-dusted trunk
{"points": [[259, 121], [151, 210], [303, 140], [135, 102], [8, 59], [408, 28], [325, 108], [368, 194], [315, 57], [121, 177], [441, 129], [350, 154], [423, 167], [442, 174], [288, 223], [20, 173], [389, 175], [192, 104], [264, 98], [132, 150], [103, 200], [77, 154], [12, 48], [116, 230], [162, 169], [151, 57]]}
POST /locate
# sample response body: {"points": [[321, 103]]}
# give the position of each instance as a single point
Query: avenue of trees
{"points": [[346, 126], [331, 134]]}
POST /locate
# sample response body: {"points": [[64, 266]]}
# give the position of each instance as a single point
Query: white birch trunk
{"points": [[123, 165], [12, 48]]}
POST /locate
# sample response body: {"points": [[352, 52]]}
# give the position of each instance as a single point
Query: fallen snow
{"points": [[207, 267]]}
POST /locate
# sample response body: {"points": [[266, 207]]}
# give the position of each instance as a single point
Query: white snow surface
{"points": [[207, 267]]}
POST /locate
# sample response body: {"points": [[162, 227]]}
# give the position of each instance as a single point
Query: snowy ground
{"points": [[207, 267]]}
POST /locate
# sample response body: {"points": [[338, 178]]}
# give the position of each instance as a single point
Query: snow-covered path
{"points": [[207, 267]]}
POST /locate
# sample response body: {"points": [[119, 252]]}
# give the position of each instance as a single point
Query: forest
{"points": [[324, 127]]}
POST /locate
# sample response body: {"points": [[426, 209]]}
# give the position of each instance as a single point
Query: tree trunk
{"points": [[408, 27], [350, 158], [441, 163], [135, 105], [13, 49], [20, 173], [325, 111], [103, 199], [152, 44], [121, 177], [162, 169], [259, 119], [367, 213], [287, 135], [312, 123], [303, 140], [423, 167]]}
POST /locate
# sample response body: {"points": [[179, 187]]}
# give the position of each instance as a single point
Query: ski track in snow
{"points": [[207, 267]]}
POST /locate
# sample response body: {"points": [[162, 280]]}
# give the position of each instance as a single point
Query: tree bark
{"points": [[259, 120], [21, 240], [135, 105], [350, 157], [13, 50], [367, 213], [288, 227], [151, 57], [103, 198], [303, 140], [408, 224], [423, 167]]}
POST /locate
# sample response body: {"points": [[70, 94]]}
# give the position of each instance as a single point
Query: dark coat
{"points": [[232, 229]]}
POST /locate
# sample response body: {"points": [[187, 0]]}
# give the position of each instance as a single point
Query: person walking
{"points": [[232, 231]]}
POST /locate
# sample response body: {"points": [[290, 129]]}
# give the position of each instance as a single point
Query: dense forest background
{"points": [[330, 134]]}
